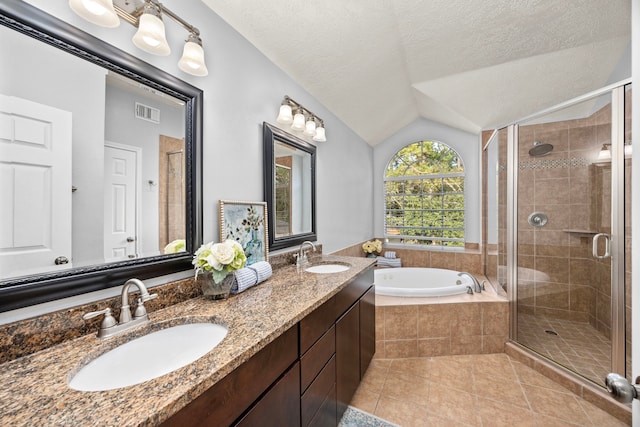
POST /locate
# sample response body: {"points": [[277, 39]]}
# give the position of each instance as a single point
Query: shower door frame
{"points": [[617, 238]]}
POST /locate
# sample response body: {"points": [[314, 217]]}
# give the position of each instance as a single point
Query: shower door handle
{"points": [[607, 246]]}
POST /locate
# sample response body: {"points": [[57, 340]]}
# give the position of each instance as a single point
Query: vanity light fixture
{"points": [[303, 121], [150, 36]]}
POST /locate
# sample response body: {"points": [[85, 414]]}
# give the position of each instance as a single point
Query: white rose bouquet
{"points": [[220, 259]]}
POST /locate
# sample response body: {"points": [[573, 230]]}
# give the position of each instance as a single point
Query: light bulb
{"points": [[298, 121], [150, 36], [192, 60], [286, 115], [99, 12]]}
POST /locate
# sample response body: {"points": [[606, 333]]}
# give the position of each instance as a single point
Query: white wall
{"points": [[242, 90], [468, 147]]}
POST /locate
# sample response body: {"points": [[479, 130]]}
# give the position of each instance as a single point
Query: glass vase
{"points": [[215, 291]]}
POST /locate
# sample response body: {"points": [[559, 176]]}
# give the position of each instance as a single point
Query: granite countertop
{"points": [[34, 388]]}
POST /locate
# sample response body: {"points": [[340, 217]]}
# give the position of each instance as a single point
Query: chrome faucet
{"points": [[109, 327], [301, 256], [477, 287]]}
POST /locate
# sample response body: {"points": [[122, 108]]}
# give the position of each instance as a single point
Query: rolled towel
{"points": [[263, 270], [390, 254], [244, 279], [250, 276], [389, 262]]}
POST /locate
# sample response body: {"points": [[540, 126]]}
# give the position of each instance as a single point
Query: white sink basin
{"points": [[327, 268], [149, 357]]}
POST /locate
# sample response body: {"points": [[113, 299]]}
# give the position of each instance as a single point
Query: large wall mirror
{"points": [[100, 158], [289, 188]]}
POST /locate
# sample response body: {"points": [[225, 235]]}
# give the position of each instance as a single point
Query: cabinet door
{"points": [[280, 406], [367, 329], [347, 357]]}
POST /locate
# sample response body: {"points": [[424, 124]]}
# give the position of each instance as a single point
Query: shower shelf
{"points": [[580, 231]]}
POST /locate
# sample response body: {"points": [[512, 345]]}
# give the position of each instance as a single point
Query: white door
{"points": [[120, 202], [35, 187]]}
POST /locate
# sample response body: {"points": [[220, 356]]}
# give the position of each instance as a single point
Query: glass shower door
{"points": [[568, 253]]}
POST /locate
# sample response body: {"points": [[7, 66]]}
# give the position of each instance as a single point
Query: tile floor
{"points": [[477, 390], [577, 345]]}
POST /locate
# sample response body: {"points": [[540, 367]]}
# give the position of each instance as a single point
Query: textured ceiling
{"points": [[380, 64]]}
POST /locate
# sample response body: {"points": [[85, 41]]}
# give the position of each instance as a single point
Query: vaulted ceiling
{"points": [[380, 64]]}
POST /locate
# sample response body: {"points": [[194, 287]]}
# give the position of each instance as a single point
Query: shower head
{"points": [[540, 149]]}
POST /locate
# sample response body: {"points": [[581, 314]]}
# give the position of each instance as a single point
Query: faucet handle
{"points": [[108, 321], [148, 297]]}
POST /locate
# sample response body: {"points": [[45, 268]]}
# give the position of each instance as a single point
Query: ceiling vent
{"points": [[150, 114]]}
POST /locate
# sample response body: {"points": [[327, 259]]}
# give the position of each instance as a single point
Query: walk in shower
{"points": [[557, 231]]}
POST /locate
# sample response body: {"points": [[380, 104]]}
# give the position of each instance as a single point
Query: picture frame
{"points": [[247, 224]]}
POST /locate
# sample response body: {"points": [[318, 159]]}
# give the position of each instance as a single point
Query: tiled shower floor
{"points": [[577, 345]]}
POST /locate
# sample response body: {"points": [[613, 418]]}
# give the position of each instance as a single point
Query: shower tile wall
{"points": [[557, 275]]}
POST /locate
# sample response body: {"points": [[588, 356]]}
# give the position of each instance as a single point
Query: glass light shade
{"points": [[192, 61], [310, 127], [99, 12], [286, 115], [298, 122], [604, 154], [150, 36], [628, 149], [320, 135]]}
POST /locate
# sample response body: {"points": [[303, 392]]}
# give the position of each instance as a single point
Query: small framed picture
{"points": [[246, 223]]}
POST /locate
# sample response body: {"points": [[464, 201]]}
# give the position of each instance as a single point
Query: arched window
{"points": [[424, 196]]}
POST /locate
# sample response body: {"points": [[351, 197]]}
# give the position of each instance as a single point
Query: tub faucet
{"points": [[301, 256], [477, 287]]}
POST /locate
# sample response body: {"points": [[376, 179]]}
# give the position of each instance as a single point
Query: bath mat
{"points": [[356, 418]]}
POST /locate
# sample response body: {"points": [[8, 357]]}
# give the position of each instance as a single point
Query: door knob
{"points": [[621, 389], [131, 239], [61, 260]]}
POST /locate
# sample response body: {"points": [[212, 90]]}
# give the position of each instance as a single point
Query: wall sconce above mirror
{"points": [[151, 36], [289, 188], [302, 121]]}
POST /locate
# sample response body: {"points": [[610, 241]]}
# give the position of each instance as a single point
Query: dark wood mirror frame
{"points": [[271, 135], [34, 289]]}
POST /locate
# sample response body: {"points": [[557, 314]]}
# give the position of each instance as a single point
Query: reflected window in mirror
{"points": [[289, 177], [103, 151]]}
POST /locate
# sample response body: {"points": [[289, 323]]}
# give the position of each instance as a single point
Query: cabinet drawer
{"points": [[317, 392], [316, 324], [326, 415], [318, 355], [353, 291]]}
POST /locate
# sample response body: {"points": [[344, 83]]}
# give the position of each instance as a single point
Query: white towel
{"points": [[390, 254], [250, 276], [389, 262], [263, 270]]}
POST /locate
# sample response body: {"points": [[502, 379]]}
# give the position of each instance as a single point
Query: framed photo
{"points": [[246, 223]]}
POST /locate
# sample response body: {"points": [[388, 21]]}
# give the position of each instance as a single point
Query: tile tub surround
{"points": [[438, 326], [469, 259], [34, 388]]}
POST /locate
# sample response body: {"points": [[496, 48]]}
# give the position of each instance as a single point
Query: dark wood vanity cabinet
{"points": [[305, 377]]}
